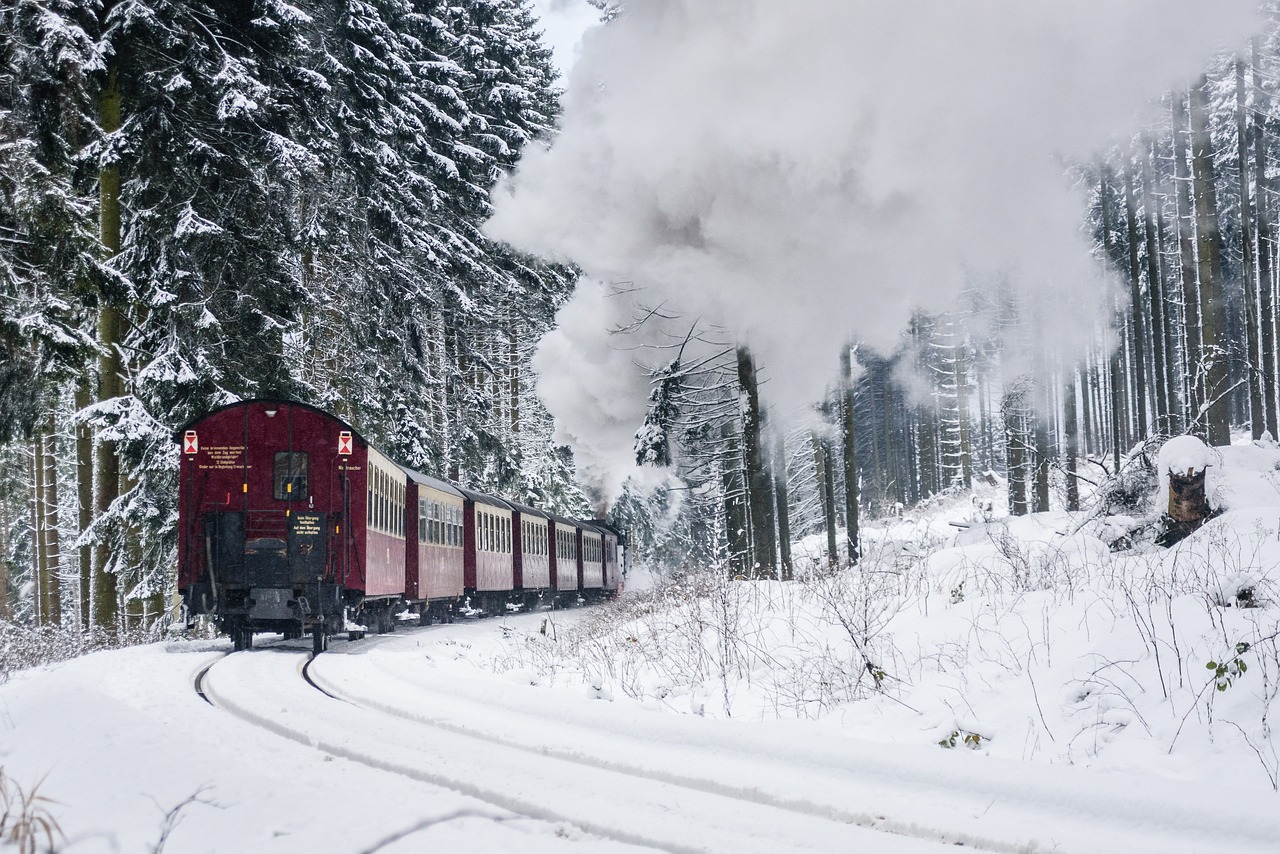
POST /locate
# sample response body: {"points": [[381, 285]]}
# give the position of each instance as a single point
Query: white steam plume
{"points": [[807, 171]]}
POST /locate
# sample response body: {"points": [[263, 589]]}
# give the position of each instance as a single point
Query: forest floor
{"points": [[1013, 685]]}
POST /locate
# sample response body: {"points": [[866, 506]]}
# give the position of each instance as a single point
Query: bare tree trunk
{"points": [[1118, 437], [110, 387], [1248, 278], [735, 505], [84, 497], [850, 456], [759, 488], [6, 542], [1042, 451], [1264, 247], [1209, 254], [1193, 343], [1015, 452], [52, 610], [1158, 302], [827, 493], [962, 413], [1071, 427], [781, 500], [1136, 314], [39, 562]]}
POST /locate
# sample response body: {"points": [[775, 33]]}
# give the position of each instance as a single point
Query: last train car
{"points": [[288, 522]]}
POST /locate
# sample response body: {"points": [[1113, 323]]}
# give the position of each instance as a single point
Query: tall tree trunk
{"points": [[1166, 372], [1136, 314], [1118, 437], [850, 457], [759, 486], [1015, 452], [110, 386], [1209, 255], [1265, 246], [1193, 341], [6, 542], [781, 500], [1248, 279], [826, 493], [735, 505], [84, 498], [1041, 429], [962, 411], [39, 560], [1071, 429], [52, 610]]}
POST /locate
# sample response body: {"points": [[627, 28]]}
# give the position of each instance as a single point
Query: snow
{"points": [[1013, 685]]}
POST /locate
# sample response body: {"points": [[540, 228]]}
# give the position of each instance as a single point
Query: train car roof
{"points": [[177, 435], [589, 526], [564, 520], [483, 498], [526, 510], [433, 482], [608, 528]]}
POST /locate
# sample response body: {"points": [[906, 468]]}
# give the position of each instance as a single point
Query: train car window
{"points": [[290, 476], [422, 520], [368, 505]]}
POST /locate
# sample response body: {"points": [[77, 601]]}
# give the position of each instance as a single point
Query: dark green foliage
{"points": [[303, 187]]}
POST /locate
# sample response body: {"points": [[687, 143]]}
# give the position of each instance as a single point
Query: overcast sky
{"points": [[564, 21]]}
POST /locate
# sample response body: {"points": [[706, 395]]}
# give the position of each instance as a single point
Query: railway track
{"points": [[626, 805]]}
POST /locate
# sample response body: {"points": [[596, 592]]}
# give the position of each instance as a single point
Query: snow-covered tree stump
{"points": [[1184, 466]]}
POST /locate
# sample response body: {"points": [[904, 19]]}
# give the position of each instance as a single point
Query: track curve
{"points": [[268, 690]]}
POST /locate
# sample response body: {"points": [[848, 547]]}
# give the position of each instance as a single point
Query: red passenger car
{"points": [[532, 552], [435, 568], [489, 565], [288, 521]]}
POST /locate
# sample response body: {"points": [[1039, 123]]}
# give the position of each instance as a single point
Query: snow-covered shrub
{"points": [[23, 647]]}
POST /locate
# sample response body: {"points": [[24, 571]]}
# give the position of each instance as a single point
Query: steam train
{"points": [[290, 522]]}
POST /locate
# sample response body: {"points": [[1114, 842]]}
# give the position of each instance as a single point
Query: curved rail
{"points": [[657, 814]]}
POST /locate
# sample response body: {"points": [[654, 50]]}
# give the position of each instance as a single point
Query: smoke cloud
{"points": [[809, 172]]}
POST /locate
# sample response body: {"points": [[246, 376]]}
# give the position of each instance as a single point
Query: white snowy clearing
{"points": [[1013, 686]]}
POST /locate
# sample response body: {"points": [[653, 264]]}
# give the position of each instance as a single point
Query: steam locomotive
{"points": [[290, 522]]}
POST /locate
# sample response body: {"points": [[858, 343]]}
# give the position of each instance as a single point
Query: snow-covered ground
{"points": [[1012, 686]]}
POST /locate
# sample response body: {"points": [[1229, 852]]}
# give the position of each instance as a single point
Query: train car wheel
{"points": [[319, 641]]}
